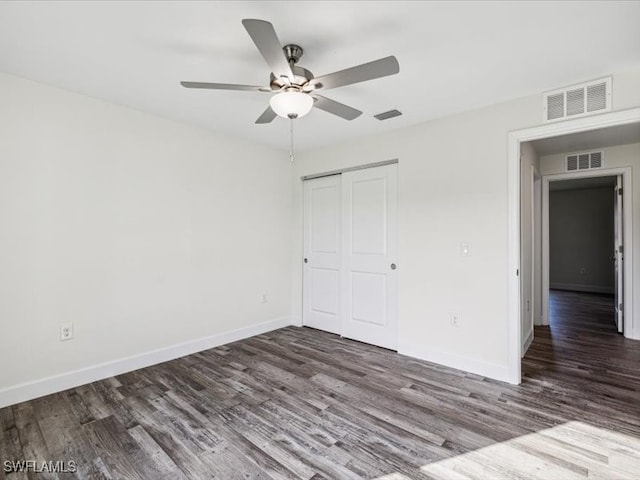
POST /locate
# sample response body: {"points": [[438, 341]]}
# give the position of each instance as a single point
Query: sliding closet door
{"points": [[369, 252], [321, 268]]}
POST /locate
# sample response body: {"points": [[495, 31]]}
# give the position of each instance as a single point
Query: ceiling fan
{"points": [[294, 87]]}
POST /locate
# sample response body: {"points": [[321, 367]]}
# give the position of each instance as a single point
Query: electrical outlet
{"points": [[454, 319], [264, 298], [465, 249], [66, 331]]}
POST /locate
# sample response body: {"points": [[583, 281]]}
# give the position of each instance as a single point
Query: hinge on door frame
{"points": [[619, 191], [621, 249]]}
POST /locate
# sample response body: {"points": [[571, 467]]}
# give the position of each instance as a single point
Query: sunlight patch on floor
{"points": [[573, 450]]}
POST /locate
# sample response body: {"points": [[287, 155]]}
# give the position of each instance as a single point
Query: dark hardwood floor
{"points": [[300, 403], [581, 311]]}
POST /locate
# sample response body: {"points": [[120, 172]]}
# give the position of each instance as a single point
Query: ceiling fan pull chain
{"points": [[291, 139]]}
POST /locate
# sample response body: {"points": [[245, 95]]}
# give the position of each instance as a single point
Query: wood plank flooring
{"points": [[298, 403], [580, 311]]}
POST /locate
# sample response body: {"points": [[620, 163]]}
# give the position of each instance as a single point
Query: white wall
{"points": [[147, 233], [143, 232], [619, 156], [581, 240], [452, 189]]}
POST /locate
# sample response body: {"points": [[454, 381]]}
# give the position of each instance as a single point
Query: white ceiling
{"points": [[453, 56], [590, 140]]}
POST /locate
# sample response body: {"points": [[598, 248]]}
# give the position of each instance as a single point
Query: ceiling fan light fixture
{"points": [[291, 104]]}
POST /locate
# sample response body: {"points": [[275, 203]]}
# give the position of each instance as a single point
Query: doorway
{"points": [[583, 240], [625, 125], [603, 259], [350, 254]]}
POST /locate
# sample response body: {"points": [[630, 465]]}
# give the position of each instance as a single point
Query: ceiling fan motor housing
{"points": [[293, 53], [301, 79]]}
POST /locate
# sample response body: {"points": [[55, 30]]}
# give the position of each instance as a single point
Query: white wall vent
{"points": [[577, 100], [583, 161]]}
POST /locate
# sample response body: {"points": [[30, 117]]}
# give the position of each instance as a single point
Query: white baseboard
{"points": [[576, 287], [527, 342], [459, 362], [57, 383], [296, 321]]}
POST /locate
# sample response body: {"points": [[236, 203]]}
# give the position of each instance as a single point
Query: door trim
{"points": [[514, 138], [627, 232]]}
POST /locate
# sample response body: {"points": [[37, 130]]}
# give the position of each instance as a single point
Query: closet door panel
{"points": [[369, 255], [322, 257]]}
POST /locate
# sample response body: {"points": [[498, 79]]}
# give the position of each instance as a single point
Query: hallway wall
{"points": [[581, 240]]}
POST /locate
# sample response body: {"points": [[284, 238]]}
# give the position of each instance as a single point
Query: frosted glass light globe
{"points": [[291, 104]]}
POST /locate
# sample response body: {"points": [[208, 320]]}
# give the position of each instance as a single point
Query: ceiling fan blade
{"points": [[264, 36], [224, 86], [367, 71], [337, 108], [267, 116]]}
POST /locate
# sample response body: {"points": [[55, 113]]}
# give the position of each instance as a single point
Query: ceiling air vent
{"points": [[388, 115], [587, 98], [583, 161]]}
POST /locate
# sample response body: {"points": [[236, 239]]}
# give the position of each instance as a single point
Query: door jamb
{"points": [[526, 343], [536, 281], [515, 138]]}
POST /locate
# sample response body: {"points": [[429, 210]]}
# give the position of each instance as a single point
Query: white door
{"points": [[618, 255], [321, 267], [370, 246]]}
